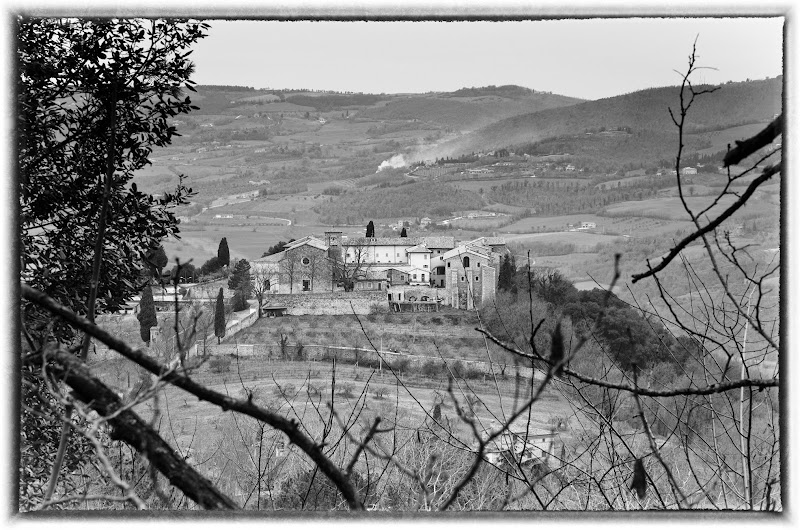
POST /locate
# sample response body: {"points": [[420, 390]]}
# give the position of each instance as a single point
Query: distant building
{"points": [[463, 274], [689, 171], [588, 224]]}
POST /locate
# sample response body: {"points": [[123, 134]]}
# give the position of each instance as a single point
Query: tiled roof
{"points": [[418, 249], [272, 258], [374, 241], [308, 240], [464, 249], [489, 241], [438, 241]]}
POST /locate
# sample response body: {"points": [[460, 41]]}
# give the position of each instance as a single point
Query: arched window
{"points": [[466, 262]]}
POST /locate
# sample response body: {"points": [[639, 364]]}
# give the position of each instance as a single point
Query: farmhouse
{"points": [[462, 275]]}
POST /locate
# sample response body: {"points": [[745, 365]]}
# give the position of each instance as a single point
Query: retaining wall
{"points": [[335, 303]]}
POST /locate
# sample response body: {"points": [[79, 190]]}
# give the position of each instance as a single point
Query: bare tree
{"points": [[262, 278], [354, 264]]}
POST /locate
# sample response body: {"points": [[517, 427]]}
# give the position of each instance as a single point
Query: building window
{"points": [[476, 279], [462, 278], [479, 264], [306, 285], [448, 264], [305, 261], [387, 254], [425, 266], [466, 262], [415, 276], [369, 285], [423, 277]]}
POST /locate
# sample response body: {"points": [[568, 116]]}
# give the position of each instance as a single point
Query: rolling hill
{"points": [[468, 109], [645, 111]]}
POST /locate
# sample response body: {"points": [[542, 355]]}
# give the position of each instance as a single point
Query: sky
{"points": [[589, 59]]}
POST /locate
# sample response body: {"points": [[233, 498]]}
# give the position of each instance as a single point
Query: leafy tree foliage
{"points": [[210, 266], [219, 316], [147, 314], [280, 246], [507, 275], [223, 254], [187, 273], [93, 99], [239, 301], [156, 260], [95, 95], [240, 278]]}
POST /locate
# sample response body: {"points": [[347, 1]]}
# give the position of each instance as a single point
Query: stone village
{"points": [[408, 273]]}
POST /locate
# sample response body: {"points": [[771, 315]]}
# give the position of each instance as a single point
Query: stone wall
{"points": [[335, 303], [489, 287]]}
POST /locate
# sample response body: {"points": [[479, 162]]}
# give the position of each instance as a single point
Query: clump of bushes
{"points": [[219, 364], [346, 390], [287, 391]]}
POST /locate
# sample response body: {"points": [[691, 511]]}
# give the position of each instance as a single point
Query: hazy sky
{"points": [[582, 58]]}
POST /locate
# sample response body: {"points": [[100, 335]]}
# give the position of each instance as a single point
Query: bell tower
{"points": [[333, 238]]}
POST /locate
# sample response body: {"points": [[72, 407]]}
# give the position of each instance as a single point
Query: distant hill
{"points": [[644, 111], [465, 109], [468, 108]]}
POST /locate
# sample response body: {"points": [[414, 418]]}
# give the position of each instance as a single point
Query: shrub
{"points": [[457, 369], [239, 302], [210, 266], [473, 372], [287, 391], [369, 362], [431, 369], [316, 389], [346, 390], [400, 364], [378, 309], [300, 352], [380, 392], [220, 364]]}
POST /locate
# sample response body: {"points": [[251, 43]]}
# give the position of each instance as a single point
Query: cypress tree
{"points": [[370, 229], [223, 254], [403, 232], [147, 314], [219, 316]]}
